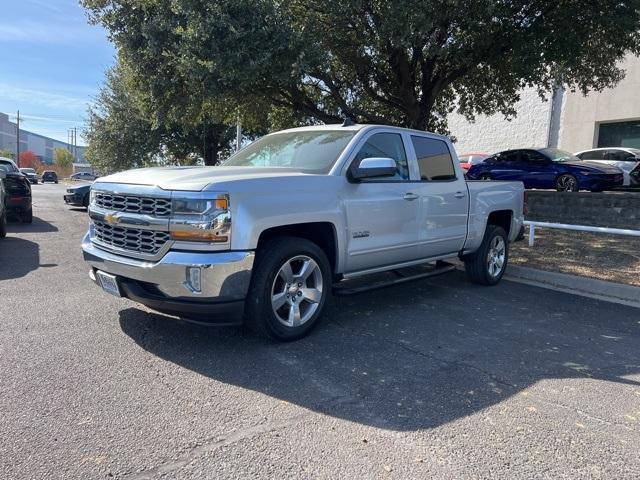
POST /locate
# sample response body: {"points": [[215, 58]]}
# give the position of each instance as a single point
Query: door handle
{"points": [[459, 195], [410, 196]]}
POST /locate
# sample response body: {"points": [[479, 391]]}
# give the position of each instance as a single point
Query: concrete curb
{"points": [[587, 287]]}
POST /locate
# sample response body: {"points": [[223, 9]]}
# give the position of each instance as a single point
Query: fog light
{"points": [[193, 279]]}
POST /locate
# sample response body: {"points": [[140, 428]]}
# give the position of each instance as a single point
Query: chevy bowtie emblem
{"points": [[111, 218]]}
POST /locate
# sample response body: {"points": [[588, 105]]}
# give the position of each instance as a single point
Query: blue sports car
{"points": [[547, 168]]}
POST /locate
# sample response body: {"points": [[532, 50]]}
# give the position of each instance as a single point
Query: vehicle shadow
{"points": [[18, 257], [414, 357], [38, 225]]}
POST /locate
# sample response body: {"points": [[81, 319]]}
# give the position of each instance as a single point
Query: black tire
{"points": [[27, 217], [3, 224], [477, 264], [567, 183], [485, 177], [270, 258]]}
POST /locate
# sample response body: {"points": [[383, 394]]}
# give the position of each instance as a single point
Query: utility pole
{"points": [[18, 139], [75, 144]]}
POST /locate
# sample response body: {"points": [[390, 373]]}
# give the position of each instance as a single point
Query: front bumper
{"points": [[601, 182], [164, 285], [73, 199]]}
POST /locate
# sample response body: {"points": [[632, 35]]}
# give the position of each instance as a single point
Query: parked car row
{"points": [[551, 168]]}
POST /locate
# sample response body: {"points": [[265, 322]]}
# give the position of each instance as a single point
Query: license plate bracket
{"points": [[109, 283]]}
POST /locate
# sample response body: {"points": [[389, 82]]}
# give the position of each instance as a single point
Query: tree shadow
{"points": [[412, 357], [37, 226]]}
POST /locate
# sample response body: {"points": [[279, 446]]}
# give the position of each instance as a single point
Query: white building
{"points": [[569, 121], [39, 144]]}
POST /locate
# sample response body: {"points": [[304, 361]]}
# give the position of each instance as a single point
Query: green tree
{"points": [[118, 135], [7, 154], [407, 62], [62, 157], [125, 129]]}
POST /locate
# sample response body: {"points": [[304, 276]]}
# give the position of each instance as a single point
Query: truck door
{"points": [[444, 198], [382, 213]]}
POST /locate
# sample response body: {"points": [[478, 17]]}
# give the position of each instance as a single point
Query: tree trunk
{"points": [[211, 150]]}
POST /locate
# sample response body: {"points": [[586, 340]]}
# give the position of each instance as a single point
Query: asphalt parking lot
{"points": [[435, 379]]}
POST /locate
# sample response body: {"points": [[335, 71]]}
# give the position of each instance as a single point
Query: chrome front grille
{"points": [[147, 242], [157, 207]]}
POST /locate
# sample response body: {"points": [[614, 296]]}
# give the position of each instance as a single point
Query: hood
{"points": [[594, 166], [192, 179]]}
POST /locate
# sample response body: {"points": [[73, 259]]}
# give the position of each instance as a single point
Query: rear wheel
{"points": [[3, 224], [27, 217], [290, 285], [567, 183], [487, 265]]}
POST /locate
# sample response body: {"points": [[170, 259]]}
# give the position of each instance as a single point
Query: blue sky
{"points": [[52, 63]]}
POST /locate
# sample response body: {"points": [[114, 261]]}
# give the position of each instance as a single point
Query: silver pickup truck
{"points": [[265, 238]]}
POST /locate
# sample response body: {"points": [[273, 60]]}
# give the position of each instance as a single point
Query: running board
{"points": [[441, 267]]}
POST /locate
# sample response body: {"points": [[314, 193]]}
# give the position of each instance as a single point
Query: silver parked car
{"points": [[626, 159]]}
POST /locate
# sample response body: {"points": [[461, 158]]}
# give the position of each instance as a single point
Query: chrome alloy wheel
{"points": [[296, 291], [496, 256], [567, 183]]}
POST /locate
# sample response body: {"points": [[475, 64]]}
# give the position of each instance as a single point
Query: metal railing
{"points": [[580, 228]]}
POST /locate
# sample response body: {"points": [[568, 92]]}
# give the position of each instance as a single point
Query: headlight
{"points": [[200, 217], [70, 190], [92, 196]]}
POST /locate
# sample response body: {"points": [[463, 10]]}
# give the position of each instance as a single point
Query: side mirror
{"points": [[374, 167]]}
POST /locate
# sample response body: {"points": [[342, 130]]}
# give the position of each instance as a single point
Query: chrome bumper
{"points": [[225, 276]]}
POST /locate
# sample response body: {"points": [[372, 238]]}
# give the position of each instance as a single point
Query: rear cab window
{"points": [[434, 159]]}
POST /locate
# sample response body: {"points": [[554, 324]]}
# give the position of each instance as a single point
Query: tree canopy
{"points": [[407, 62], [28, 159], [62, 157], [7, 154]]}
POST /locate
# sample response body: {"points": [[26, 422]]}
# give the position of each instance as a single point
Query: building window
{"points": [[619, 134]]}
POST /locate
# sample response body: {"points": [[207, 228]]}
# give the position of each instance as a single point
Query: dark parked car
{"points": [[78, 196], [3, 209], [49, 176], [31, 174], [18, 196], [547, 168]]}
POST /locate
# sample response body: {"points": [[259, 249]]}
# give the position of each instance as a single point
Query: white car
{"points": [[626, 159], [265, 237], [84, 176]]}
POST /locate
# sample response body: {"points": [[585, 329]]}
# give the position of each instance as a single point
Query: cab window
{"points": [[387, 145]]}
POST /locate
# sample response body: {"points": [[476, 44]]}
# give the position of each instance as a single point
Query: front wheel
{"points": [[290, 285], [486, 266], [567, 183]]}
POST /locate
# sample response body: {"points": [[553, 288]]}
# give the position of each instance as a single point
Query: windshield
{"points": [[558, 155], [10, 167], [312, 151], [27, 170]]}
